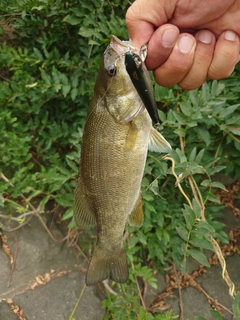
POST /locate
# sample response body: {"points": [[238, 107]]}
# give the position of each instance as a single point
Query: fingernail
{"points": [[204, 36], [230, 35], [185, 44], [169, 37]]}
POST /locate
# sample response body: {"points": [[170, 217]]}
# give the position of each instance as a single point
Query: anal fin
{"points": [[83, 214]]}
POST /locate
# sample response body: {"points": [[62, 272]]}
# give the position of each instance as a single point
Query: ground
{"points": [[41, 278]]}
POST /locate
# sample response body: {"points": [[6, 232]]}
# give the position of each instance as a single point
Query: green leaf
{"points": [[45, 76], [66, 89], [215, 314], [162, 115], [218, 185], [202, 243], [204, 135], [189, 216], [194, 98], [186, 109], [199, 156], [43, 202], [220, 88], [205, 92], [74, 93], [236, 306], [73, 20], [199, 256], [180, 132], [229, 110], [234, 130], [72, 224], [182, 119], [206, 183], [68, 214], [193, 154], [181, 155], [196, 209], [213, 198], [203, 227], [182, 232]]}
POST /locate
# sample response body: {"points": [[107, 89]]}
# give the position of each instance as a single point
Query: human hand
{"points": [[188, 41]]}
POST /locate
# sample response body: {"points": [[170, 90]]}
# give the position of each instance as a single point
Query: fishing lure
{"points": [[142, 83]]}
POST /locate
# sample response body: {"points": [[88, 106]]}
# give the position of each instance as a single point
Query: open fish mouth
{"points": [[121, 47]]}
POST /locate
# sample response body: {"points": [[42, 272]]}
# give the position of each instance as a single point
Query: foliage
{"points": [[126, 306], [48, 72]]}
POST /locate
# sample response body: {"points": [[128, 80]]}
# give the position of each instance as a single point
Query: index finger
{"points": [[142, 19]]}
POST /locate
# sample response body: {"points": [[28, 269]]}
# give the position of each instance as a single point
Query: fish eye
{"points": [[111, 70]]}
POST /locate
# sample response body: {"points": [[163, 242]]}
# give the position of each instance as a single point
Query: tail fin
{"points": [[105, 264]]}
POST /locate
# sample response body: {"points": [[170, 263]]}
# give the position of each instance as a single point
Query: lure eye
{"points": [[137, 61], [111, 70]]}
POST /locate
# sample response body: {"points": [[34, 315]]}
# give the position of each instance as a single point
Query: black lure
{"points": [[142, 83]]}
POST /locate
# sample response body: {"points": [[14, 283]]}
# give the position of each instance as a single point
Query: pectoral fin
{"points": [[158, 143], [136, 216], [83, 214]]}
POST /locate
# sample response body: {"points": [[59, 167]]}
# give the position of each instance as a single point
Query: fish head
{"points": [[114, 88], [116, 77]]}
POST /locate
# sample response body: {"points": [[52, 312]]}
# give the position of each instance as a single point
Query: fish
{"points": [[142, 83], [117, 136]]}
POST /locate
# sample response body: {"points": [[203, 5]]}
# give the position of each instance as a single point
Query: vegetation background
{"points": [[49, 58]]}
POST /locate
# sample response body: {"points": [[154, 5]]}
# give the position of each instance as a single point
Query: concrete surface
{"points": [[48, 277]]}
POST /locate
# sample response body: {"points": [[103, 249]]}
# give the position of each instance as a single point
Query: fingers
{"points": [[160, 45], [178, 63], [226, 56], [189, 60], [203, 55]]}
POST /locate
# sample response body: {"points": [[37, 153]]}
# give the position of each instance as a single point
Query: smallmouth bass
{"points": [[117, 135]]}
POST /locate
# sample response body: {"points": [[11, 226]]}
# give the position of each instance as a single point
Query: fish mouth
{"points": [[121, 47]]}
